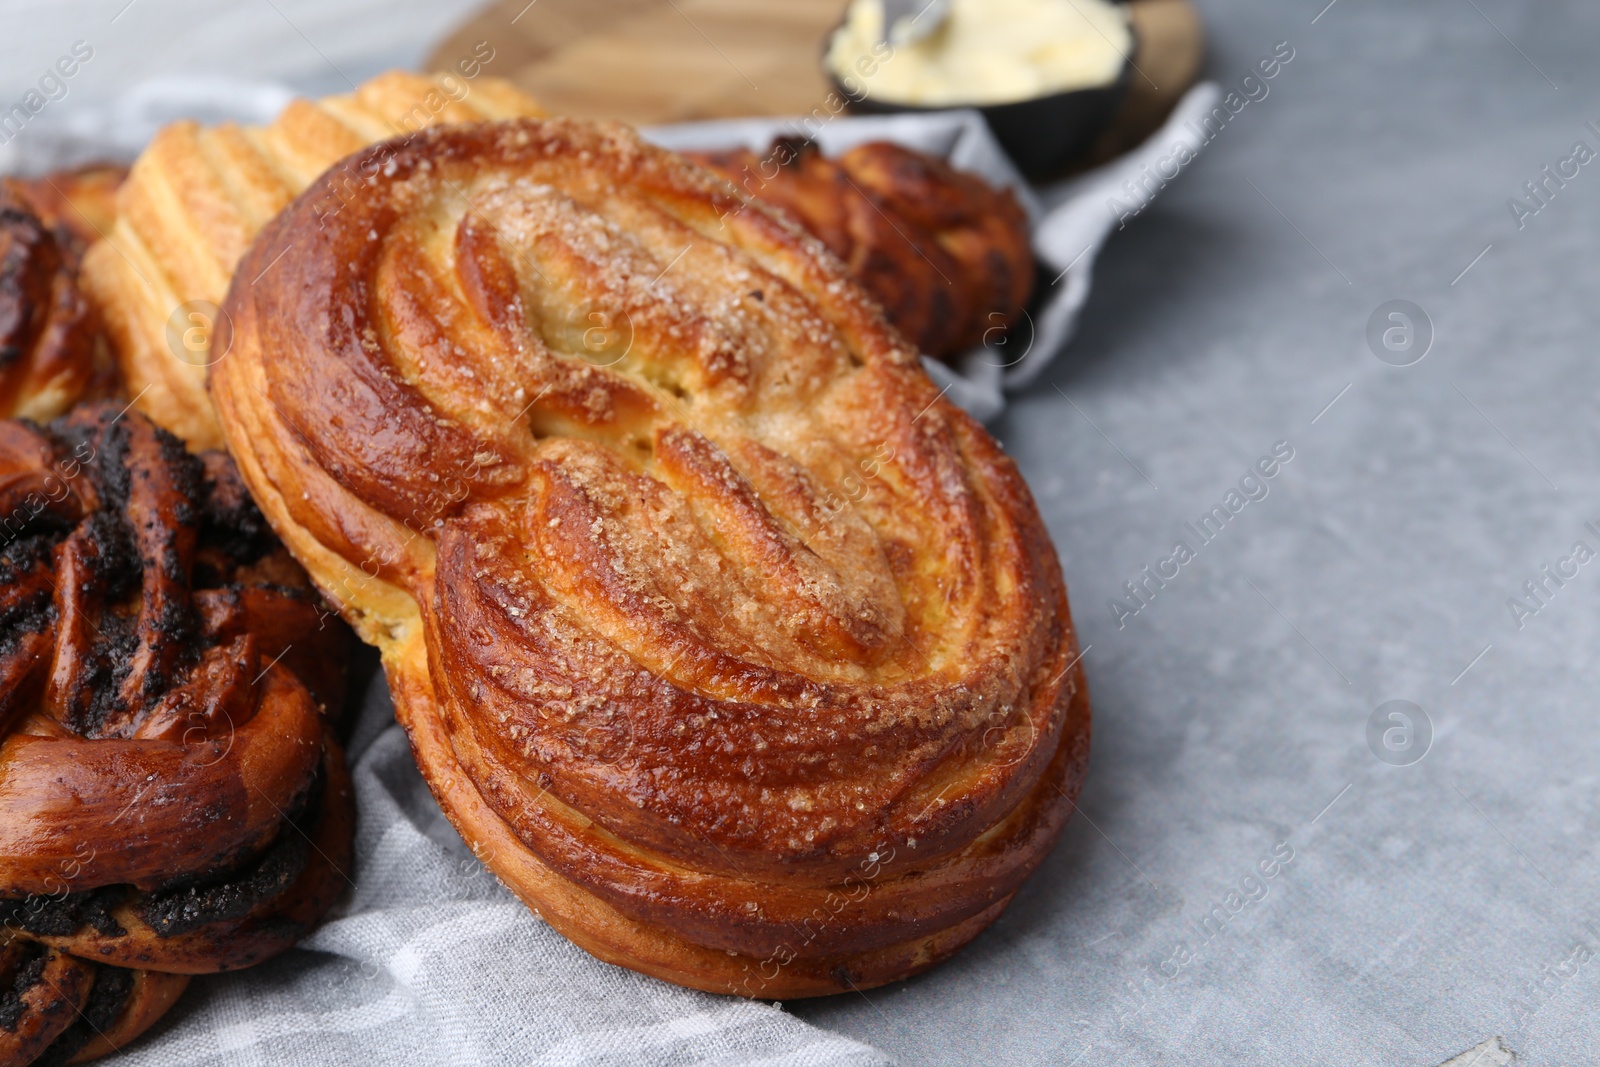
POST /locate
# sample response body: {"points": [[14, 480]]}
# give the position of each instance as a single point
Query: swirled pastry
{"points": [[730, 646], [197, 196], [47, 330], [79, 203], [172, 801], [946, 255]]}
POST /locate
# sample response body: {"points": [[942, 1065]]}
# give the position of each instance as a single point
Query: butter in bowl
{"points": [[1047, 75]]}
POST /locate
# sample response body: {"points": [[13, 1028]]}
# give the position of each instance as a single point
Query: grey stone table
{"points": [[1273, 863], [1444, 894]]}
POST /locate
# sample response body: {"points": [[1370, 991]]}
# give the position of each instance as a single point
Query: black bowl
{"points": [[1043, 135]]}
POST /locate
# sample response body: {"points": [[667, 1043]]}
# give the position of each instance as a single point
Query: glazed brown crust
{"points": [[59, 1008], [172, 801], [946, 255], [703, 611], [151, 995], [47, 331], [296, 896], [80, 204], [197, 196]]}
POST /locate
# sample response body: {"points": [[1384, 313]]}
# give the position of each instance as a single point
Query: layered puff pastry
{"points": [[172, 799], [197, 196], [732, 648], [948, 256]]}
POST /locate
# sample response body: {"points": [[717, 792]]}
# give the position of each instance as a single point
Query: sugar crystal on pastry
{"points": [[692, 641]]}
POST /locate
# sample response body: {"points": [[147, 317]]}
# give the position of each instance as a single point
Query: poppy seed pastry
{"points": [[727, 644], [47, 330], [79, 203], [172, 800]]}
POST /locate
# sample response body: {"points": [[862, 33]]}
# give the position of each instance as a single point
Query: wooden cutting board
{"points": [[659, 61]]}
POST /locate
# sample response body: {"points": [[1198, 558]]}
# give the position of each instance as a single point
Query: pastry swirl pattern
{"points": [[47, 331], [197, 196], [172, 801], [731, 647]]}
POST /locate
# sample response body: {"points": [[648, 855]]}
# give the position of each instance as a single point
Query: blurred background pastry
{"points": [[197, 196], [80, 201], [944, 253], [48, 333]]}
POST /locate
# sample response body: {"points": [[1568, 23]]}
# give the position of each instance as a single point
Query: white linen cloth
{"points": [[428, 959]]}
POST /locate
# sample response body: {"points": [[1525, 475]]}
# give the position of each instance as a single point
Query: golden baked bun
{"points": [[726, 643], [47, 330], [947, 255], [172, 800], [197, 196]]}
